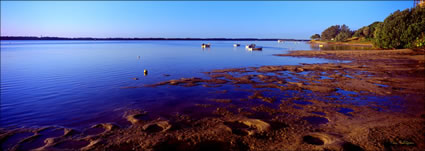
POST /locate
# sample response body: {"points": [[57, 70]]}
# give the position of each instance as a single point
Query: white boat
{"points": [[236, 45], [250, 46], [256, 48], [280, 41], [206, 45]]}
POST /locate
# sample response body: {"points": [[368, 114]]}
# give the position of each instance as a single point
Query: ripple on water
{"points": [[80, 83]]}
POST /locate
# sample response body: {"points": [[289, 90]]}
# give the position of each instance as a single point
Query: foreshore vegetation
{"points": [[401, 29]]}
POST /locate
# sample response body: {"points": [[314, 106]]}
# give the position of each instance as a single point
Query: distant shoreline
{"points": [[89, 38]]}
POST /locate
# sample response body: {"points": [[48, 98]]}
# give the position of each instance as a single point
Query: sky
{"points": [[189, 19]]}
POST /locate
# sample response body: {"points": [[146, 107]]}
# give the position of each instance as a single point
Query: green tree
{"points": [[343, 36], [315, 37], [366, 31], [420, 41], [344, 33], [401, 29], [359, 32], [372, 28], [330, 33]]}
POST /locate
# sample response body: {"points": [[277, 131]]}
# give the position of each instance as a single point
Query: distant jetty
{"points": [[90, 38]]}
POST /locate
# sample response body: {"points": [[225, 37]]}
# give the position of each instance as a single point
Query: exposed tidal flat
{"points": [[368, 100]]}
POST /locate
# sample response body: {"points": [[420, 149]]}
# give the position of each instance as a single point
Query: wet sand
{"points": [[374, 102]]}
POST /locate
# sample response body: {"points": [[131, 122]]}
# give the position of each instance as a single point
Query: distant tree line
{"points": [[90, 38], [401, 29]]}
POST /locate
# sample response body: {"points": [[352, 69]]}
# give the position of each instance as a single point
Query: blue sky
{"points": [[270, 19]]}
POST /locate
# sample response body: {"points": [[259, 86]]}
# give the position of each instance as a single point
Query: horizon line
{"points": [[134, 38]]}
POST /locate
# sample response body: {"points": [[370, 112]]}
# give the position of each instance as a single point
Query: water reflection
{"points": [[77, 83]]}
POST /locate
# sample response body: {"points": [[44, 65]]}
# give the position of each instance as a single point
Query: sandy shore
{"points": [[375, 102]]}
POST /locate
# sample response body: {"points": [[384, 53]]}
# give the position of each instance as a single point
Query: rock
{"points": [[246, 126], [299, 84], [134, 118], [106, 126], [322, 139], [259, 125], [159, 126], [299, 69], [222, 100], [174, 82], [69, 132], [322, 89]]}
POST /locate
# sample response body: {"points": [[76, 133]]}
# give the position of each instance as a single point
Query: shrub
{"points": [[420, 41], [366, 31], [401, 29], [330, 33], [344, 33], [315, 36]]}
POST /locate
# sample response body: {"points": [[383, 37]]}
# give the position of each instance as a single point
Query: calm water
{"points": [[78, 83]]}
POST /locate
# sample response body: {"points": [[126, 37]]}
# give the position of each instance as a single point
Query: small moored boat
{"points": [[236, 45], [206, 45], [256, 48], [250, 46]]}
